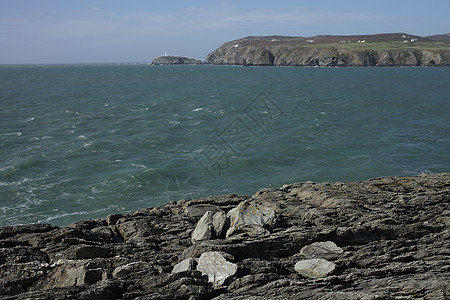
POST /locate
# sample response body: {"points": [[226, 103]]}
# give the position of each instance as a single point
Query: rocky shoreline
{"points": [[384, 238]]}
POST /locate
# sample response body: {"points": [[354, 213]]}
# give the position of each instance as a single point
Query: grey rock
{"points": [[315, 268], [126, 269], [113, 218], [204, 229], [86, 251], [251, 218], [185, 265], [219, 223], [198, 210], [216, 267], [326, 250]]}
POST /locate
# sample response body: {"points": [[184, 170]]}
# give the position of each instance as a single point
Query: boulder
{"points": [[251, 219], [219, 223], [204, 229], [214, 265], [326, 250], [315, 268], [185, 265]]}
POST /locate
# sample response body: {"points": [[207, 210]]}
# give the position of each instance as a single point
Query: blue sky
{"points": [[100, 31]]}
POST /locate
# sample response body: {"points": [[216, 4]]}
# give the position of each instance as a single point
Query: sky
{"points": [[110, 31]]}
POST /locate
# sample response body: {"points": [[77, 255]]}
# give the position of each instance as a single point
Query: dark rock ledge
{"points": [[384, 238]]}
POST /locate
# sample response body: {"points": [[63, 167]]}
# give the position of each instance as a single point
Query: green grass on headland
{"points": [[383, 45]]}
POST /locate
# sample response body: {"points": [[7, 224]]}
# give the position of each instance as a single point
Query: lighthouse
{"points": [[165, 53]]}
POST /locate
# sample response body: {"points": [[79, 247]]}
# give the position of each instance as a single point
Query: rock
{"points": [[185, 265], [204, 229], [326, 250], [126, 269], [112, 219], [315, 268], [251, 218], [69, 274], [219, 223], [198, 210], [216, 267], [86, 251]]}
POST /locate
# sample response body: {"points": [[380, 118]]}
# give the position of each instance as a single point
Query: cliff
{"points": [[384, 238], [372, 50], [175, 60]]}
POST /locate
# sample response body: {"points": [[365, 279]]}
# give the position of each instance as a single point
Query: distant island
{"points": [[391, 49], [175, 60]]}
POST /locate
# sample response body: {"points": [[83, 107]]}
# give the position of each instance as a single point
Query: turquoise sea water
{"points": [[84, 141]]}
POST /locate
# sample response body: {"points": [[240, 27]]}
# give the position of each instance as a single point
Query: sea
{"points": [[87, 140]]}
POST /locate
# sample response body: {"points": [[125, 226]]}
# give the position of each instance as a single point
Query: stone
{"points": [[185, 265], [326, 250], [315, 268], [86, 251], [113, 218], [126, 269], [214, 265], [219, 223], [251, 219], [204, 229], [198, 210]]}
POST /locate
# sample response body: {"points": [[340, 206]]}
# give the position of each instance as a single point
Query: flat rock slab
{"points": [[315, 268], [326, 250], [216, 267]]}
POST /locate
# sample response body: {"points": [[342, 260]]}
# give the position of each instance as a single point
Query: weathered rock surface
{"points": [[204, 229], [175, 60], [394, 233], [184, 266], [326, 250], [315, 268], [251, 218], [298, 51], [214, 265]]}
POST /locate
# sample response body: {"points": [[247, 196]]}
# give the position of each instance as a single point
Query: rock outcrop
{"points": [[384, 238], [327, 51], [175, 60]]}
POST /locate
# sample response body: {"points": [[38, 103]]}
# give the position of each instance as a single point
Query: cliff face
{"points": [[250, 52], [175, 60], [385, 238]]}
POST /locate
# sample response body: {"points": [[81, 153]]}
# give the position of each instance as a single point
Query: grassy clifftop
{"points": [[391, 49], [389, 41]]}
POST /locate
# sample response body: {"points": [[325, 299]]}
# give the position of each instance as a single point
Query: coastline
{"points": [[393, 234]]}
